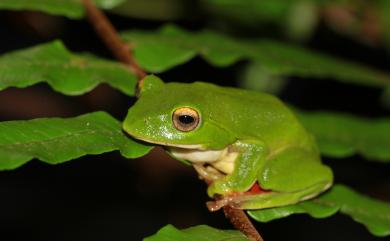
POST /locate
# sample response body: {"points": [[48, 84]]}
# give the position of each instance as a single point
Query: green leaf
{"points": [[374, 214], [385, 98], [197, 233], [68, 8], [256, 77], [302, 20], [342, 135], [249, 11], [162, 10], [255, 13], [56, 140], [66, 72], [157, 51], [383, 9]]}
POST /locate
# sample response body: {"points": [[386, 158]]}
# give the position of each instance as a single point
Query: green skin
{"points": [[273, 148]]}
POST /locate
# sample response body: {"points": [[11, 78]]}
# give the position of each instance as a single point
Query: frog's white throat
{"points": [[222, 160]]}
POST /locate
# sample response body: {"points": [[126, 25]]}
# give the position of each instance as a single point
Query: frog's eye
{"points": [[185, 119]]}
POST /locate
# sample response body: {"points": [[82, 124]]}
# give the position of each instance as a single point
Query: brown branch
{"points": [[110, 37], [241, 222]]}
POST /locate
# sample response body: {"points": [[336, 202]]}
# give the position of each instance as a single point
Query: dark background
{"points": [[107, 197]]}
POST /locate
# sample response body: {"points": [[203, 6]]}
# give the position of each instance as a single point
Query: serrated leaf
{"points": [[157, 51], [342, 135], [196, 233], [65, 72], [56, 140], [374, 214], [68, 8]]}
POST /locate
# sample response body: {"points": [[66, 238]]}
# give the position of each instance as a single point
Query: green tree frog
{"points": [[247, 145]]}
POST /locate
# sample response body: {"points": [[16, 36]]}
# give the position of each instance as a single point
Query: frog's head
{"points": [[176, 114]]}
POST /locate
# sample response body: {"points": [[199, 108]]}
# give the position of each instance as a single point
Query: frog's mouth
{"points": [[210, 164], [163, 144]]}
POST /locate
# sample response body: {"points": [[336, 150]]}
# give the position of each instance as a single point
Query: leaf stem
{"points": [[110, 37]]}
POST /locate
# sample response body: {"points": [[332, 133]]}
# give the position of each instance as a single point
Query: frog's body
{"points": [[242, 137]]}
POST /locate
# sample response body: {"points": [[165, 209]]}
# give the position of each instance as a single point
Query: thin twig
{"points": [[110, 37], [241, 222], [121, 51]]}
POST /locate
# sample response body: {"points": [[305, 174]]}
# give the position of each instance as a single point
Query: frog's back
{"points": [[248, 114]]}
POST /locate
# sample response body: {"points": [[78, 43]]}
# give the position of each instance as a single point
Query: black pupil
{"points": [[186, 119]]}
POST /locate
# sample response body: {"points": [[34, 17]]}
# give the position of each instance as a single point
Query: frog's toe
{"points": [[218, 188]]}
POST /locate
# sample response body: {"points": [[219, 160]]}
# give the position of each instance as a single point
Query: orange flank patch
{"points": [[256, 189]]}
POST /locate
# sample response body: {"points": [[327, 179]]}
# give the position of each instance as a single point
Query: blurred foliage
{"points": [[56, 140], [67, 73], [342, 135], [158, 51], [374, 214], [252, 12], [302, 20], [385, 98], [255, 76], [384, 19], [367, 21], [153, 9], [196, 233], [68, 8]]}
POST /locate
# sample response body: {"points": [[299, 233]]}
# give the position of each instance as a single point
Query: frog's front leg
{"points": [[250, 159]]}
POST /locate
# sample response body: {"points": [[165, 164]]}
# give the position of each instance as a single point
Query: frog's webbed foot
{"points": [[237, 199], [258, 198], [207, 173], [211, 176], [213, 206]]}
